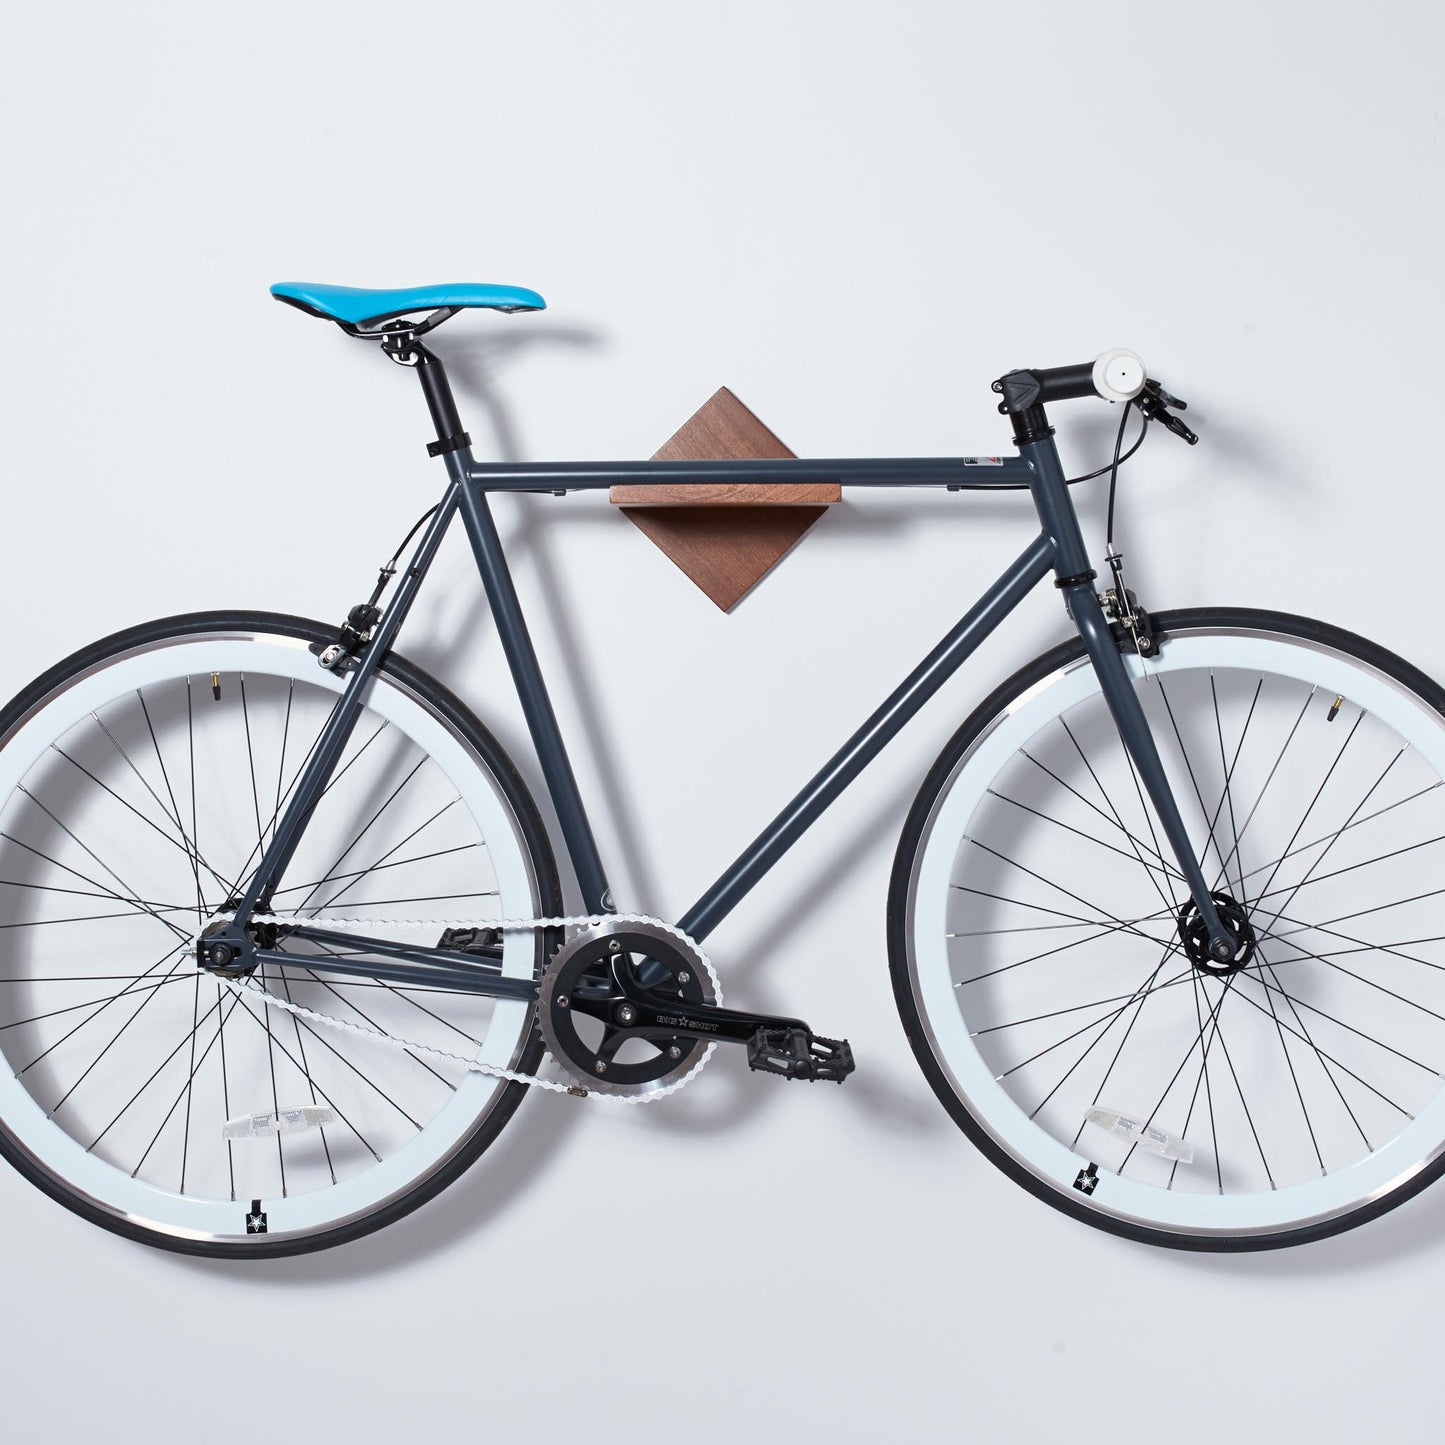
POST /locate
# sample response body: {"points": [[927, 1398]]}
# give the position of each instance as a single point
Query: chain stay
{"points": [[506, 925]]}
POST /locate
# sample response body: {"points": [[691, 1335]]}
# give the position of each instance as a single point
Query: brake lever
{"points": [[1155, 402]]}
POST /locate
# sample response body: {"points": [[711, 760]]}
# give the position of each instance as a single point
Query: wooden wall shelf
{"points": [[726, 537]]}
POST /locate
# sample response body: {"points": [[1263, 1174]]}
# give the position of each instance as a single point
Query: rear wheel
{"points": [[139, 781], [1040, 936]]}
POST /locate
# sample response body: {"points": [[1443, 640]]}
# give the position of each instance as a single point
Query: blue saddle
{"points": [[354, 306]]}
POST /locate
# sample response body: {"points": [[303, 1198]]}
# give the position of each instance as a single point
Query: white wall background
{"points": [[855, 215]]}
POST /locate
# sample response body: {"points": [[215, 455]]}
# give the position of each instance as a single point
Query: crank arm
{"points": [[414, 967], [647, 1017]]}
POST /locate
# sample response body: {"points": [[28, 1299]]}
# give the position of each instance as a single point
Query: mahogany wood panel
{"points": [[726, 536]]}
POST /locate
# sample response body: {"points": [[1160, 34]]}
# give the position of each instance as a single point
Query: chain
{"points": [[506, 925]]}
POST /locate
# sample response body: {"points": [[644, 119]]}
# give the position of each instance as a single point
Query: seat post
{"points": [[440, 402]]}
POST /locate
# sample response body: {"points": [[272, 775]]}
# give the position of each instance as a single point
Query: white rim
{"points": [[1205, 1214], [188, 1217]]}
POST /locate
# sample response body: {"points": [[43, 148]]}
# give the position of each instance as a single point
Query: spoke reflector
{"points": [[279, 1121], [1141, 1134]]}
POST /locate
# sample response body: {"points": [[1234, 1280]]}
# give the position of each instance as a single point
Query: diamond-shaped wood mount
{"points": [[725, 536]]}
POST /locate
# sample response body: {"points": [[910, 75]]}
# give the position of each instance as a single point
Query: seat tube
{"points": [[1075, 579], [532, 693]]}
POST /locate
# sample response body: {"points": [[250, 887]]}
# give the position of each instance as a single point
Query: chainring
{"points": [[590, 983]]}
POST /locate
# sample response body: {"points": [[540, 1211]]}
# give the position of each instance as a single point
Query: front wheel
{"points": [[1039, 936], [140, 781]]}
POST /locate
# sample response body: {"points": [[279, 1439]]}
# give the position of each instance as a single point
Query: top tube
{"points": [[1009, 473]]}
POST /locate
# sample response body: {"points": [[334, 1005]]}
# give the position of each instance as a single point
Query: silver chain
{"points": [[506, 925]]}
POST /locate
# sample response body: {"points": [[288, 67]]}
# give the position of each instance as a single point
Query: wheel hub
{"points": [[1194, 936]]}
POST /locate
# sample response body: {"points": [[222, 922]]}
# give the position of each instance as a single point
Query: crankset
{"points": [[626, 1007]]}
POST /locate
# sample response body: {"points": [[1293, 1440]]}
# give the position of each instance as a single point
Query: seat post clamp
{"points": [[443, 445]]}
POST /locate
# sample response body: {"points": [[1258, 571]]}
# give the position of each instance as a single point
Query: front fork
{"points": [[1075, 579]]}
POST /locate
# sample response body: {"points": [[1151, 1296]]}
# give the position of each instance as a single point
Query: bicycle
{"points": [[232, 1027]]}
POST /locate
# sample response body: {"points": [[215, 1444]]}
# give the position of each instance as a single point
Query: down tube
{"points": [[870, 739]]}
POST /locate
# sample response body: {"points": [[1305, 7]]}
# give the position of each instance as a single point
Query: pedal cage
{"points": [[797, 1054]]}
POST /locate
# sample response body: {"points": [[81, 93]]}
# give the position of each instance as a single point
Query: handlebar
{"points": [[1117, 376]]}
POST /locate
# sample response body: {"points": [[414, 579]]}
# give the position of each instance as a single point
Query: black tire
{"points": [[534, 834], [978, 723]]}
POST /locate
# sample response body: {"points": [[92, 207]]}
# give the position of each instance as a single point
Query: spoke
{"points": [[1324, 782], [149, 822], [1320, 1057], [1138, 1009], [1227, 768], [185, 1092], [1358, 913], [175, 810], [340, 1113], [1103, 793], [372, 1023], [251, 762], [1329, 962], [1078, 832], [1124, 998], [1201, 1078], [366, 828], [123, 993], [280, 773], [124, 1108], [1309, 873], [326, 1044], [446, 807], [153, 911], [377, 868], [1244, 1103], [403, 993], [1353, 867], [1089, 803], [296, 778], [1360, 945], [1265, 787], [1049, 953], [1325, 1057], [1056, 913], [1198, 1042], [1104, 1018], [139, 904], [1172, 875], [1137, 999], [92, 1003], [130, 895], [1059, 887], [275, 1096], [1294, 1079], [104, 1051], [1209, 822], [226, 1091], [306, 1063], [190, 1080], [1297, 1002]]}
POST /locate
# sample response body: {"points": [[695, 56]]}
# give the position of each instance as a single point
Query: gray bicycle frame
{"points": [[1058, 548]]}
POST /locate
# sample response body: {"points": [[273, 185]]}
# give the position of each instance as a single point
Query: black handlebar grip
{"points": [[1065, 383]]}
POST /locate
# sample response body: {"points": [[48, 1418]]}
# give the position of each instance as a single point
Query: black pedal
{"points": [[797, 1054], [486, 941]]}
